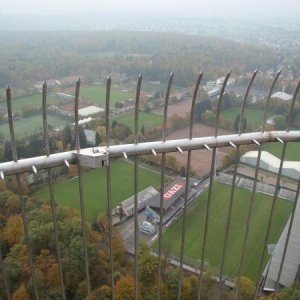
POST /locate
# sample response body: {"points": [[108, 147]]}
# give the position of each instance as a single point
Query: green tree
{"points": [[147, 265]]}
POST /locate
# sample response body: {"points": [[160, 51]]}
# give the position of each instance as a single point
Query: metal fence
{"points": [[100, 157]]}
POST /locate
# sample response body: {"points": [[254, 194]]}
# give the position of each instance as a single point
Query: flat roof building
{"points": [[271, 164], [89, 111], [173, 200]]}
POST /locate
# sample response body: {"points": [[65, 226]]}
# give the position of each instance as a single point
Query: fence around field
{"points": [[100, 157], [264, 188]]}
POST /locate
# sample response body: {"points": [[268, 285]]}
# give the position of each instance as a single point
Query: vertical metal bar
{"points": [[249, 215], [268, 99], [211, 179], [295, 284], [19, 186], [108, 187], [136, 225], [270, 218], [52, 200], [81, 196], [187, 184], [220, 103], [162, 183], [289, 120], [277, 188], [297, 193], [236, 160], [4, 274], [288, 236]]}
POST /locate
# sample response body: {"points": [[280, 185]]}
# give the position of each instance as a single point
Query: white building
{"points": [[90, 111], [221, 80], [271, 164], [282, 96]]}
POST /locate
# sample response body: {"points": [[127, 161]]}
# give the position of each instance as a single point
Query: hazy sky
{"points": [[182, 7]]}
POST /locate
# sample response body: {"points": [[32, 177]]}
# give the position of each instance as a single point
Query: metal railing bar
{"points": [[220, 103], [247, 228], [249, 215], [277, 188], [236, 160], [4, 275], [108, 188], [136, 225], [52, 200], [115, 151], [268, 99], [81, 195], [296, 93], [211, 179], [164, 131], [162, 182], [288, 236], [242, 113], [297, 194], [20, 194], [187, 180], [274, 201], [295, 284]]}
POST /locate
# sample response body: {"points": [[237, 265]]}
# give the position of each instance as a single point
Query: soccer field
{"points": [[292, 150], [97, 93], [94, 183], [35, 101], [216, 230], [26, 127], [254, 116], [147, 120]]}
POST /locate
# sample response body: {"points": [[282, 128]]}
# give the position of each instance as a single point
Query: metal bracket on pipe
{"points": [[93, 157]]}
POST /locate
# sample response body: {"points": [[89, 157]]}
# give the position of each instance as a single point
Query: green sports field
{"points": [[35, 101], [26, 127], [147, 120], [94, 182], [292, 150], [97, 93], [216, 229], [254, 116]]}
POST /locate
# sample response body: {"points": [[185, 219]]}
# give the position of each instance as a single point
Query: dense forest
{"points": [[26, 57]]}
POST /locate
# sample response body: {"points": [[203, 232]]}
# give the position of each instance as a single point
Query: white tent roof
{"points": [[282, 96], [273, 161]]}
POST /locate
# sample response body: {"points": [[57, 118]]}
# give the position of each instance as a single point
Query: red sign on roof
{"points": [[173, 190]]}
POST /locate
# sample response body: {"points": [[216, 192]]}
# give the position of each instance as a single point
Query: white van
{"points": [[147, 228]]}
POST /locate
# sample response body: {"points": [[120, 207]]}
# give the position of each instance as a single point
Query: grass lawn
{"points": [[97, 93], [216, 229], [292, 150], [254, 116], [35, 101], [94, 182], [29, 126], [147, 119]]}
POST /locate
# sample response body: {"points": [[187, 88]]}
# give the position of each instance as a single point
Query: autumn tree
{"points": [[21, 293], [13, 230], [124, 289]]}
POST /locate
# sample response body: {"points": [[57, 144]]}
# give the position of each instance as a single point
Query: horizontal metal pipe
{"points": [[58, 159]]}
